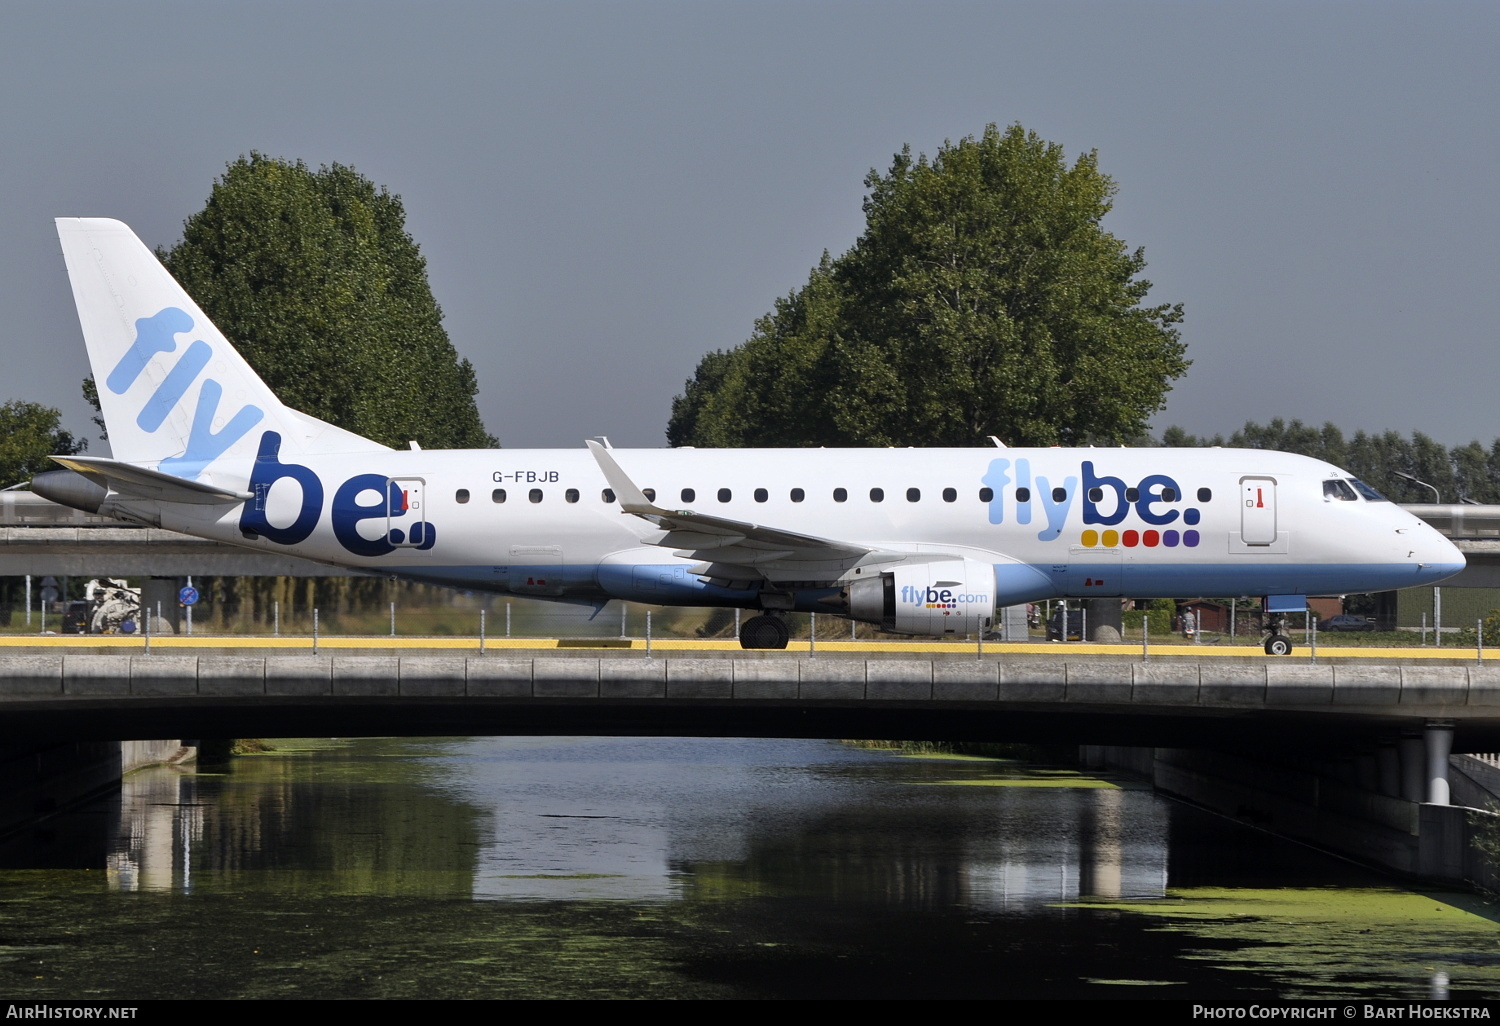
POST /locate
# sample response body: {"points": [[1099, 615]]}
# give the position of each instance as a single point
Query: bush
{"points": [[1161, 613]]}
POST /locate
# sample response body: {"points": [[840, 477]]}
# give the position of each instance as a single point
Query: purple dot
{"points": [[1190, 517], [1190, 538], [1169, 539]]}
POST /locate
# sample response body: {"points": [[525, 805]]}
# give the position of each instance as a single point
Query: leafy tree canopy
{"points": [[29, 433], [1465, 473], [983, 298], [313, 276]]}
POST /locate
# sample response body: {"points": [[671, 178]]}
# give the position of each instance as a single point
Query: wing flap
{"points": [[731, 549]]}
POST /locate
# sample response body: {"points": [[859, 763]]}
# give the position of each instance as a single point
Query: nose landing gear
{"points": [[1278, 643]]}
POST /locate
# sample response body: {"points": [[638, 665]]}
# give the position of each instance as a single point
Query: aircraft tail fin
{"points": [[175, 395]]}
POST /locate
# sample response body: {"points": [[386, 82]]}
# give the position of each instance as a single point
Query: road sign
{"points": [[188, 596]]}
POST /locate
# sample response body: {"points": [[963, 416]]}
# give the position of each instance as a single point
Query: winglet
{"points": [[631, 498]]}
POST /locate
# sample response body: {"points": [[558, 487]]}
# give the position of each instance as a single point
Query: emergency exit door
{"points": [[1258, 510]]}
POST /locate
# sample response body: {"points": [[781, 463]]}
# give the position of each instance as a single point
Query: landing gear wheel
{"points": [[764, 632], [1278, 644]]}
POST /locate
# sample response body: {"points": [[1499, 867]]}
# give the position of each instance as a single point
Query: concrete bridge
{"points": [[1219, 703]]}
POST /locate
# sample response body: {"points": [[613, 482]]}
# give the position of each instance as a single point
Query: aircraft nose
{"points": [[1438, 558]]}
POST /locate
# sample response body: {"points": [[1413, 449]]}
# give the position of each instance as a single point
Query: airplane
{"points": [[914, 541]]}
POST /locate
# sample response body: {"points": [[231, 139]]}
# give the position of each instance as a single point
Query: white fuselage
{"points": [[1055, 522]]}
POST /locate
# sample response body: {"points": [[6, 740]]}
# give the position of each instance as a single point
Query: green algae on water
{"points": [[1332, 942]]}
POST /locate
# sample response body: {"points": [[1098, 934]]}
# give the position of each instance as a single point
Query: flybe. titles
{"points": [[939, 598], [1104, 499], [347, 513], [158, 334]]}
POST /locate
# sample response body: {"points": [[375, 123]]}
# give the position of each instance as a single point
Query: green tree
{"points": [[1467, 473], [313, 276], [29, 433], [983, 298]]}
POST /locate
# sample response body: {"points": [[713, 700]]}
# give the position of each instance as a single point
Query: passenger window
{"points": [[1132, 495], [498, 495], [571, 495], [950, 494], [725, 495], [914, 495], [1059, 495], [798, 495], [761, 495], [1205, 495], [1169, 495], [1096, 494], [608, 495], [840, 495], [1022, 495], [688, 495], [986, 495], [462, 495], [536, 495], [877, 494], [649, 493]]}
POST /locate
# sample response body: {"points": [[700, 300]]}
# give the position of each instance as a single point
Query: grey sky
{"points": [[605, 191]]}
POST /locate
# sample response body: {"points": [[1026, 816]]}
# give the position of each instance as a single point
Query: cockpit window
{"points": [[1334, 488], [1370, 494]]}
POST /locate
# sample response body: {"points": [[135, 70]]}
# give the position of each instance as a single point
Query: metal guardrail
{"points": [[1461, 521], [22, 508]]}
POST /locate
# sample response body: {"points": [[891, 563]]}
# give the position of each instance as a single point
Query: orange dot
{"points": [[1111, 539], [1090, 539]]}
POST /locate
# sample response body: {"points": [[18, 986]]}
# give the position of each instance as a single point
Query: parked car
{"points": [[1347, 622], [1075, 625]]}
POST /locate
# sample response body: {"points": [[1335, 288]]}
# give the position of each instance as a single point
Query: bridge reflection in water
{"points": [[557, 867], [535, 819]]}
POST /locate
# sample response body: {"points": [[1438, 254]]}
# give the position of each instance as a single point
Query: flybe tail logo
{"points": [[1104, 500], [158, 334]]}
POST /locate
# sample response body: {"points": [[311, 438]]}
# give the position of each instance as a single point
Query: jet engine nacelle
{"points": [[952, 597]]}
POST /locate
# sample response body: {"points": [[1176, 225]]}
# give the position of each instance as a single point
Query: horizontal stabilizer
{"points": [[148, 484]]}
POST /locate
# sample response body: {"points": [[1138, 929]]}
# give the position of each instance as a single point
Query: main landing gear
{"points": [[764, 631]]}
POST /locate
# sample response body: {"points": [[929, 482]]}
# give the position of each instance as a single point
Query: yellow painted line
{"points": [[1053, 650]]}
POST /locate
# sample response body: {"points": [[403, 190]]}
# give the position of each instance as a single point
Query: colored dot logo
{"points": [[1148, 539]]}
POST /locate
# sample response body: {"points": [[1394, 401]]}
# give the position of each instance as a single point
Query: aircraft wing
{"points": [[735, 550]]}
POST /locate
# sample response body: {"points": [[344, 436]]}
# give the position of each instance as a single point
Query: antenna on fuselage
{"points": [[998, 444]]}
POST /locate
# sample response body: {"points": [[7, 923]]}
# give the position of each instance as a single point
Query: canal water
{"points": [[695, 868]]}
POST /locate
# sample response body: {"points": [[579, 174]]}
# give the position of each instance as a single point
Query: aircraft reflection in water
{"points": [[569, 819], [916, 541]]}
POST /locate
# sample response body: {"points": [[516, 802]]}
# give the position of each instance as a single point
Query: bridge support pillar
{"points": [[1388, 769], [1105, 620], [1010, 624], [162, 591], [1412, 751], [1439, 745]]}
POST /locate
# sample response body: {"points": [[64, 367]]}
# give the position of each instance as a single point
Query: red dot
{"points": [[1151, 538], [1131, 539]]}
